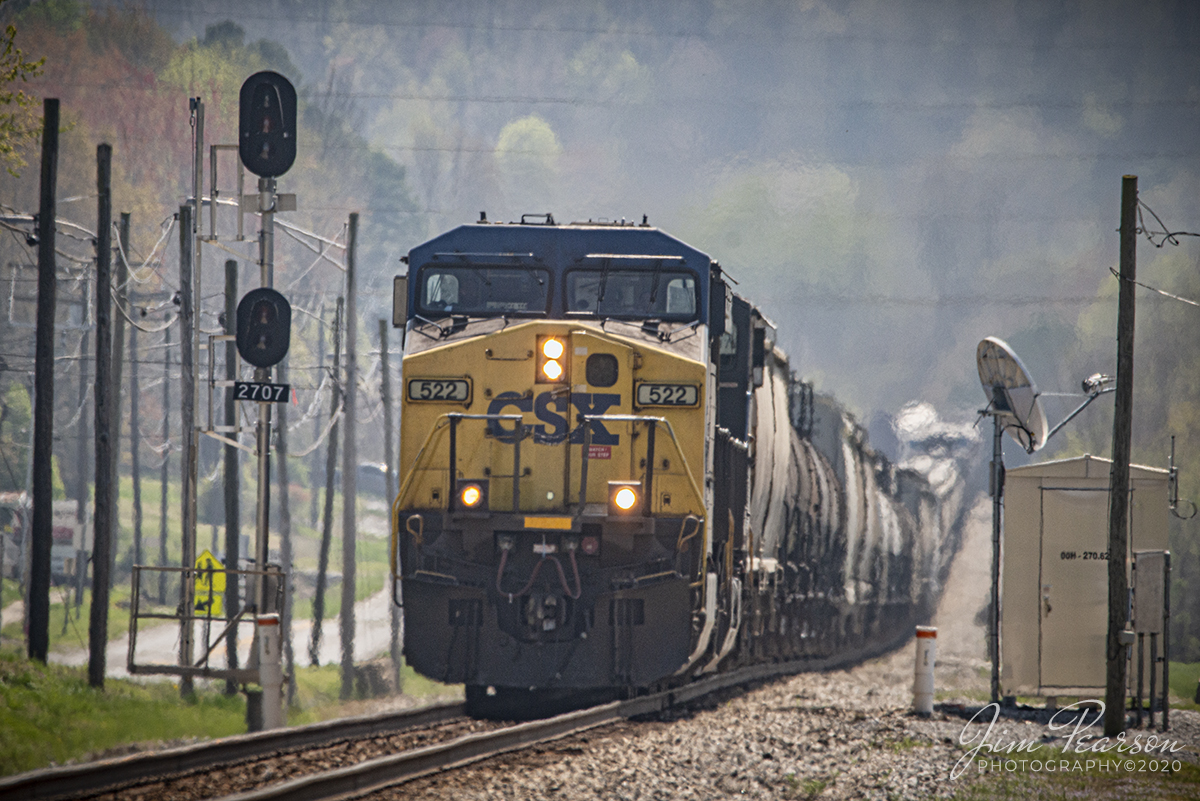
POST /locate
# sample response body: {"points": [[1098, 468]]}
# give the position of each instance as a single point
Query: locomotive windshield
{"points": [[483, 290], [641, 294]]}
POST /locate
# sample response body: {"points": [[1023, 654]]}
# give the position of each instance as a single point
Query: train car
{"points": [[611, 480]]}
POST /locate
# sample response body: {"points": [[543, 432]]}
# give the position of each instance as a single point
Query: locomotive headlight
{"points": [[471, 495], [623, 497], [551, 360]]}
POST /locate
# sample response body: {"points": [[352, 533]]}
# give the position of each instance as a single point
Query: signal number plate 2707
{"points": [[439, 389], [667, 394]]}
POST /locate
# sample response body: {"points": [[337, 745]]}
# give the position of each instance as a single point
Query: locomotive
{"points": [[612, 481]]}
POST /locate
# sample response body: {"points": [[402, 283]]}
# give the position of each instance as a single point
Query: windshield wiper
{"points": [[442, 332], [603, 284], [654, 285]]}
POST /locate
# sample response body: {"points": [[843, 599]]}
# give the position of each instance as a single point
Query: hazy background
{"points": [[892, 181]]}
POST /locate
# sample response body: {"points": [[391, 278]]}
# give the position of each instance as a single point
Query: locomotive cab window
{"points": [[483, 290], [639, 294]]}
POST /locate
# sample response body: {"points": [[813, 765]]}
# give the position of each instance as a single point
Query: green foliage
{"points": [[527, 154], [230, 38], [64, 16], [133, 33], [597, 71], [56, 481], [16, 417], [19, 120]]}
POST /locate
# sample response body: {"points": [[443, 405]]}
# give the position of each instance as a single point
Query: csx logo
{"points": [[551, 407]]}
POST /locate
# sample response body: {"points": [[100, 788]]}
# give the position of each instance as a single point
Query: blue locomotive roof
{"points": [[560, 249]]}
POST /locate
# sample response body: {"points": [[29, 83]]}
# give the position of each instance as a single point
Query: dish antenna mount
{"points": [[1014, 404], [1013, 399]]}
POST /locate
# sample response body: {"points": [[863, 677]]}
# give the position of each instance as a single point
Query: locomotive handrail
{"points": [[434, 429], [639, 418]]}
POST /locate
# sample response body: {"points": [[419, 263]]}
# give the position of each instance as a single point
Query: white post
{"points": [[923, 675], [270, 670]]}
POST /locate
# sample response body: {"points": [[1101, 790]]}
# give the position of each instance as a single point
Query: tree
{"points": [[19, 120]]}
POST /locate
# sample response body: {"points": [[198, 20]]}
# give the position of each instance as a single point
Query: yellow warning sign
{"points": [[210, 585]]}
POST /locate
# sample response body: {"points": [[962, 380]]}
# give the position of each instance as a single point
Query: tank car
{"points": [[611, 481]]}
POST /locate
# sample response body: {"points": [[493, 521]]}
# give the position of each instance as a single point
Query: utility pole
{"points": [[349, 469], [233, 523], [385, 390], [335, 398], [102, 518], [316, 456], [43, 409], [81, 495], [1118, 498], [165, 475], [118, 345], [997, 482], [135, 439], [188, 431], [189, 341]]}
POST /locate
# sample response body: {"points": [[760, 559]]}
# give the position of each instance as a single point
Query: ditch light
{"points": [[624, 498], [471, 495]]}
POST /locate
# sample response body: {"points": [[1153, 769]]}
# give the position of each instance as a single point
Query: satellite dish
{"points": [[1011, 393]]}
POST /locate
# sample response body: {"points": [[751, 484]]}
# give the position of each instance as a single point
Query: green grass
{"points": [[49, 714], [1184, 676], [318, 690], [74, 634]]}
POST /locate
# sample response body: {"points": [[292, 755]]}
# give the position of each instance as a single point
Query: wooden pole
{"points": [[43, 408], [1118, 500], [349, 470], [102, 517], [335, 398]]}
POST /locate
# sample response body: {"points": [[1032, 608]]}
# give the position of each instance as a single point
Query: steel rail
{"points": [[382, 772], [89, 778]]}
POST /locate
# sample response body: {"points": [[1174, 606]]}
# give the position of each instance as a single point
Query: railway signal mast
{"points": [[267, 147]]}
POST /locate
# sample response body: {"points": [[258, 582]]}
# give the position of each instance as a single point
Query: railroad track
{"points": [[94, 778], [370, 774], [377, 774]]}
